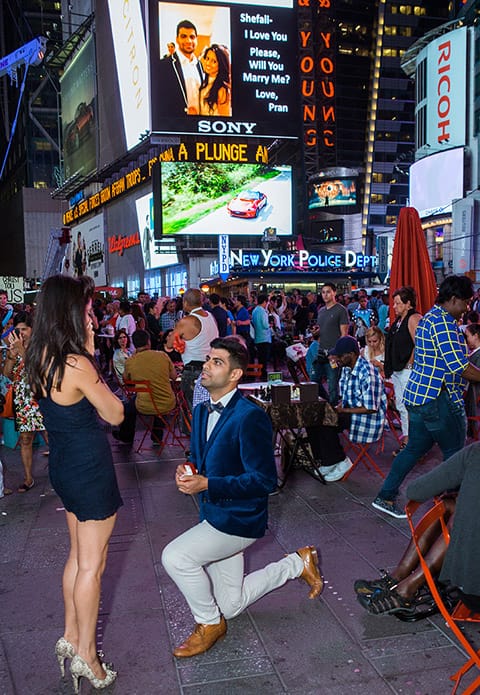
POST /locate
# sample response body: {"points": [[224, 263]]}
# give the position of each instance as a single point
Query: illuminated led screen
{"points": [[240, 79], [79, 115], [235, 199], [435, 181], [327, 193], [156, 253]]}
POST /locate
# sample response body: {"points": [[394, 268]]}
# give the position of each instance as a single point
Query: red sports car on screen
{"points": [[247, 204]]}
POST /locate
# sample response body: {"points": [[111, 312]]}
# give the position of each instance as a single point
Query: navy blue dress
{"points": [[80, 461]]}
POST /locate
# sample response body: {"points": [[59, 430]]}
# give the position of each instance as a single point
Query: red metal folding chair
{"points": [[361, 452], [461, 612], [133, 388], [392, 415]]}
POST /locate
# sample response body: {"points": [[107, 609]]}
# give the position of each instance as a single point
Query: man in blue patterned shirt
{"points": [[362, 410], [434, 392]]}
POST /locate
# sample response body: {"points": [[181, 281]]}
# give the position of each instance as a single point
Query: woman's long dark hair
{"points": [[59, 329], [222, 80]]}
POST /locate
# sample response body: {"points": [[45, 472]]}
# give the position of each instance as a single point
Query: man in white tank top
{"points": [[198, 328]]}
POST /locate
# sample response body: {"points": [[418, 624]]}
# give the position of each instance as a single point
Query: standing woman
{"points": [[400, 343], [28, 418], [64, 377]]}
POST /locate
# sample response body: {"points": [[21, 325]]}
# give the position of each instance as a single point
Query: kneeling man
{"points": [[231, 446]]}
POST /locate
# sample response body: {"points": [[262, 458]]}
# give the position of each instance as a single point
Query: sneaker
{"points": [[389, 507], [337, 472], [369, 586]]}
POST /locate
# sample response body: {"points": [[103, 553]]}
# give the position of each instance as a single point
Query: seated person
{"points": [[472, 336], [157, 368], [399, 591], [461, 471], [374, 350], [167, 346], [457, 564], [123, 350], [362, 410]]}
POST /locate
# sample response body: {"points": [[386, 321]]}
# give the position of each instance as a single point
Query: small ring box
{"points": [[189, 469]]}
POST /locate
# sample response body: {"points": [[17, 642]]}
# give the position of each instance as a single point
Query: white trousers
{"points": [[207, 566], [399, 380]]}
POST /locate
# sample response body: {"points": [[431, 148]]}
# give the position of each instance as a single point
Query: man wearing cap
{"points": [[362, 410]]}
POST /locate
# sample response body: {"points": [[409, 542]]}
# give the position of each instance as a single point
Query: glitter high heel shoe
{"points": [[63, 650], [80, 669]]}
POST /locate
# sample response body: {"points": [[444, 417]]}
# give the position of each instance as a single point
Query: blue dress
{"points": [[80, 461]]}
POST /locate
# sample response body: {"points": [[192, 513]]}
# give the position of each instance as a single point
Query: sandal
{"points": [[386, 603], [368, 587], [25, 488]]}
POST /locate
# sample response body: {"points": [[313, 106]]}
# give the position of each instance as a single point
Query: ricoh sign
{"points": [[304, 260], [446, 89]]}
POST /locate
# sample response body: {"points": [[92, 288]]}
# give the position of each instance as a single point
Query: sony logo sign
{"points": [[222, 127]]}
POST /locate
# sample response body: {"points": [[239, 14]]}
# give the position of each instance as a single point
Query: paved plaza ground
{"points": [[284, 643]]}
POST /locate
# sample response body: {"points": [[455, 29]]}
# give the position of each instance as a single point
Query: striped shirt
{"points": [[363, 386], [440, 358]]}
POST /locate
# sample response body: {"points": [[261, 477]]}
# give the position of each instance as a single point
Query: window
{"points": [[390, 52], [405, 9]]}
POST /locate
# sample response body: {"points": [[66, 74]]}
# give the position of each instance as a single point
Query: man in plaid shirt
{"points": [[434, 392], [362, 410]]}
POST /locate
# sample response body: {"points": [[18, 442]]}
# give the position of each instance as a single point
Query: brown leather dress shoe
{"points": [[311, 573], [201, 639]]}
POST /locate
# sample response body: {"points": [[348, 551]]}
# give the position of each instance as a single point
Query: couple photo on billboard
{"points": [[194, 66]]}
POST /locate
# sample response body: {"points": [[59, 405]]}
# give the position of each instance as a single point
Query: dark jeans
{"points": [[325, 441], [126, 431], [189, 376], [263, 354], [325, 369], [438, 421]]}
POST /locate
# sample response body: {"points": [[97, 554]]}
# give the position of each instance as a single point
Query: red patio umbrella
{"points": [[411, 264]]}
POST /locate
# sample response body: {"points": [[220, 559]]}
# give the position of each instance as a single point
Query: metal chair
{"points": [[461, 612], [362, 454], [142, 386], [298, 370], [392, 415], [254, 371]]}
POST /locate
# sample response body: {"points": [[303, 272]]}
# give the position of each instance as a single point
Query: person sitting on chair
{"points": [[362, 410], [401, 591], [156, 368]]}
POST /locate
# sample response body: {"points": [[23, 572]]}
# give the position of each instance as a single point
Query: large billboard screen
{"points": [[332, 192], [223, 69], [435, 181], [85, 254], [157, 253], [235, 199], [79, 113]]}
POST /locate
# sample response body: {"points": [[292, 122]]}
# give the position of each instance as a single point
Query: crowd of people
{"points": [[57, 360]]}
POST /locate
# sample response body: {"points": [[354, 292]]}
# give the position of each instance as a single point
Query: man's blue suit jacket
{"points": [[239, 464]]}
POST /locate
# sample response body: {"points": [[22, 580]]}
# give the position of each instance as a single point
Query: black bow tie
{"points": [[214, 407]]}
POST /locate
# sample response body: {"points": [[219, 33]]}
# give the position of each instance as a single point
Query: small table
{"points": [[288, 421]]}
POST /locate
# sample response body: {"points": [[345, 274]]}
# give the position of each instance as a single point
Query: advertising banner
{"points": [[85, 255], [223, 69], [13, 286], [79, 118], [132, 68], [446, 95]]}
